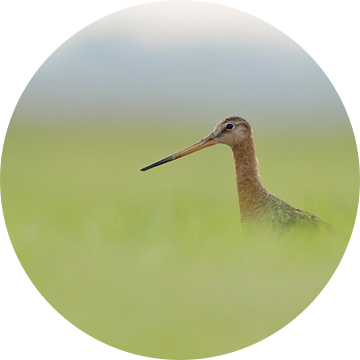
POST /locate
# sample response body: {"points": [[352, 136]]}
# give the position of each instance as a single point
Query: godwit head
{"points": [[230, 131]]}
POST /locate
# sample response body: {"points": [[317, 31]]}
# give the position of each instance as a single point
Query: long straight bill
{"points": [[202, 144]]}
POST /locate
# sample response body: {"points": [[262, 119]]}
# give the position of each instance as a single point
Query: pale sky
{"points": [[179, 61], [185, 24]]}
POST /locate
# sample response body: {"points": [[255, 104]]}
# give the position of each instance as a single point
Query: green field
{"points": [[156, 263]]}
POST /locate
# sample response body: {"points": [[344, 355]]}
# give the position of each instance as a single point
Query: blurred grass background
{"points": [[157, 263]]}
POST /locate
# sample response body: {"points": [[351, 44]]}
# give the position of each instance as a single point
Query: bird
{"points": [[258, 207]]}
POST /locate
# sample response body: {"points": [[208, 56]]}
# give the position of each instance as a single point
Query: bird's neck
{"points": [[251, 192]]}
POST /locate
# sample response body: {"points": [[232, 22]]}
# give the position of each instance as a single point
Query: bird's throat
{"points": [[251, 192]]}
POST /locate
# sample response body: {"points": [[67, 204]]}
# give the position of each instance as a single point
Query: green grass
{"points": [[157, 263]]}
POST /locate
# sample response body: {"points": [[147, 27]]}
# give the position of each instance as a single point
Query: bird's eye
{"points": [[229, 126]]}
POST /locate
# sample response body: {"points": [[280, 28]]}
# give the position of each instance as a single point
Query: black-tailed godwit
{"points": [[257, 205]]}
